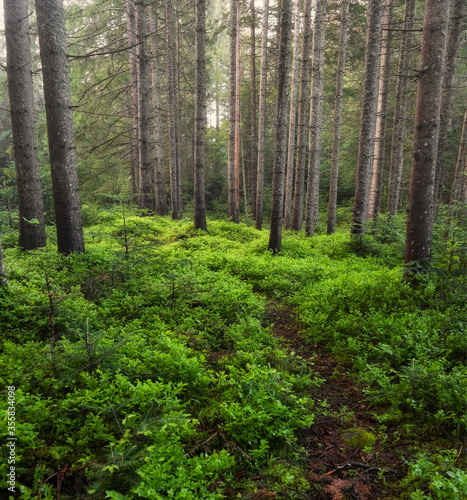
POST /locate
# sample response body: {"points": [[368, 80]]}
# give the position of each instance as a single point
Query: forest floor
{"points": [[342, 459]]}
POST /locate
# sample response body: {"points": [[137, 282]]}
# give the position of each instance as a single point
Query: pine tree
{"points": [[299, 188], [200, 115], [316, 118], [368, 116], [381, 113], [262, 117], [280, 130], [57, 95], [146, 171], [132, 45], [253, 127], [20, 88], [420, 206], [172, 116], [456, 26], [233, 212], [159, 172], [338, 105], [292, 119], [400, 111]]}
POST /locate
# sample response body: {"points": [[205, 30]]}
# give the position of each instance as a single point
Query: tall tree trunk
{"points": [[20, 88], [459, 174], [292, 119], [237, 114], [178, 107], [400, 111], [172, 113], [427, 118], [3, 277], [57, 94], [159, 172], [280, 131], [297, 215], [253, 128], [131, 34], [262, 117], [233, 212], [381, 113], [456, 26], [338, 106], [146, 172], [200, 115], [316, 117], [368, 116]]}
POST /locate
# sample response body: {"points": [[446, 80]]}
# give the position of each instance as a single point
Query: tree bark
{"points": [[459, 174], [427, 118], [178, 107], [297, 215], [159, 172], [338, 106], [292, 119], [57, 94], [253, 127], [368, 116], [3, 277], [280, 131], [131, 30], [456, 27], [237, 113], [316, 117], [381, 113], [262, 117], [400, 111], [172, 112], [146, 171], [200, 115], [20, 89], [233, 212]]}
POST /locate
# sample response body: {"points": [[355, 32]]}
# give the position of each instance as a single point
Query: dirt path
{"points": [[348, 456]]}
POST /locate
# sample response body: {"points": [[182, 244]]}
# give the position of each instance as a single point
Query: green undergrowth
{"points": [[146, 367]]}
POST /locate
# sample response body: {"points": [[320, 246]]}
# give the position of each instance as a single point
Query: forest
{"points": [[233, 249]]}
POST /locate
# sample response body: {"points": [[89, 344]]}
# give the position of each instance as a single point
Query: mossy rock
{"points": [[359, 438]]}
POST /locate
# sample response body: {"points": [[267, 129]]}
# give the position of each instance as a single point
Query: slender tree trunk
{"points": [[237, 114], [381, 113], [456, 27], [280, 131], [20, 88], [200, 115], [400, 111], [262, 117], [3, 277], [172, 114], [159, 172], [253, 128], [233, 213], [427, 118], [131, 29], [338, 106], [245, 187], [145, 192], [57, 94], [297, 215], [368, 116], [316, 117], [456, 190], [178, 107], [292, 119]]}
